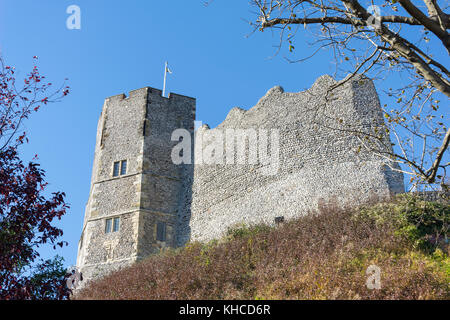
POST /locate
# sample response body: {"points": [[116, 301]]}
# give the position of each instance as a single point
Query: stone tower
{"points": [[135, 187]]}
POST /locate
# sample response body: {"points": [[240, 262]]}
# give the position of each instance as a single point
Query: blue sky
{"points": [[122, 45]]}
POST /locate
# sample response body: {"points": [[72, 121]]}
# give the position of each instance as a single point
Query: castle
{"points": [[142, 198]]}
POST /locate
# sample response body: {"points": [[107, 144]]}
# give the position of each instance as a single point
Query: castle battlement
{"points": [[153, 92]]}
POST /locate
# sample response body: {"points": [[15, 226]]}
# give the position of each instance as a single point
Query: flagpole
{"points": [[165, 76]]}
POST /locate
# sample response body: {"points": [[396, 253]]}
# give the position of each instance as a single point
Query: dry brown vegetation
{"points": [[318, 256]]}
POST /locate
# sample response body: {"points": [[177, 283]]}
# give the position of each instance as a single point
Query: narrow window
{"points": [[123, 167], [116, 224], [108, 225], [145, 128], [161, 231], [116, 169]]}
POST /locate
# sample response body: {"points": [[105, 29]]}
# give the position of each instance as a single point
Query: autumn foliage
{"points": [[322, 255], [26, 211]]}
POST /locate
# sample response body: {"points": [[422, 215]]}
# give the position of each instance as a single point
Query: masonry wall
{"points": [[316, 163], [162, 180], [118, 138], [137, 129]]}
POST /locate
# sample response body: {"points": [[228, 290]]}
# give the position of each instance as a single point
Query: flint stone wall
{"points": [[317, 162]]}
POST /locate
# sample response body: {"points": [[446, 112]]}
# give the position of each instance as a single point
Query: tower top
{"points": [[151, 92]]}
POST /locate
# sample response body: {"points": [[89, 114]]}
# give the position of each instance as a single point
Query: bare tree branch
{"points": [[438, 29], [380, 44]]}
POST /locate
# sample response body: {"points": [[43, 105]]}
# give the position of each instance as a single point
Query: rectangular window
{"points": [[108, 225], [116, 224], [120, 168], [123, 167], [116, 169], [161, 231]]}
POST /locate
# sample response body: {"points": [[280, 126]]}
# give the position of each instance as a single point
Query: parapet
{"points": [[151, 92], [177, 96], [117, 97]]}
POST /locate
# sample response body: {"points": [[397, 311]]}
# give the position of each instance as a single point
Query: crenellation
{"points": [[153, 92], [182, 98], [140, 93], [117, 97]]}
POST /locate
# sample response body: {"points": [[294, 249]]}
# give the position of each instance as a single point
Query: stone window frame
{"points": [[113, 226], [120, 167]]}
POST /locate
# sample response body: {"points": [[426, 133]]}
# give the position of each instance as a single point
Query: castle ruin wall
{"points": [[316, 161]]}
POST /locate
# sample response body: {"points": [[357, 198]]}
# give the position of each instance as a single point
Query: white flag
{"points": [[168, 70]]}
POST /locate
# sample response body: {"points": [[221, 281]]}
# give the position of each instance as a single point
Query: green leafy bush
{"points": [[241, 231], [424, 223]]}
